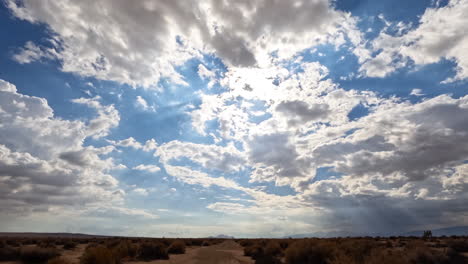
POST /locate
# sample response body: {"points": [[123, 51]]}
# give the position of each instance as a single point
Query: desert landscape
{"points": [[234, 131], [123, 250]]}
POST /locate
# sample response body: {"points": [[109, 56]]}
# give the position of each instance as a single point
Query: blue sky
{"points": [[265, 118]]}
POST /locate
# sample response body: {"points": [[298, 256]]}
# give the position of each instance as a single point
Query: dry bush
{"points": [[307, 251], [273, 248], [358, 249], [153, 250], [126, 249], [177, 247], [382, 256], [37, 254], [253, 250], [69, 245], [206, 243], [58, 260], [8, 253], [459, 245], [99, 255]]}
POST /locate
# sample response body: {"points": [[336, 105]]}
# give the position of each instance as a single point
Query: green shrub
{"points": [[177, 247], [153, 250], [99, 255]]}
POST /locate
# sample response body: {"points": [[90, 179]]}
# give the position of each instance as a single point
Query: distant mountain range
{"points": [[448, 231], [222, 236], [34, 234]]}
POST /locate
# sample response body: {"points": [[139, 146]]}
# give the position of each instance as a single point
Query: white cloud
{"points": [[148, 168], [417, 92], [105, 45], [43, 162], [209, 156], [206, 74], [141, 103], [108, 117], [141, 191], [440, 34]]}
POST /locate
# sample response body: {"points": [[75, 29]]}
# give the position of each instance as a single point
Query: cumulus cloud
{"points": [[141, 103], [226, 159], [43, 162], [399, 153], [106, 46], [108, 117], [150, 144], [148, 168], [440, 34]]}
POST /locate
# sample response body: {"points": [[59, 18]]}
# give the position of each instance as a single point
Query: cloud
{"points": [[106, 46], [150, 144], [440, 34], [43, 162], [108, 117], [148, 168], [206, 74], [119, 212], [417, 92], [141, 191], [142, 104], [209, 156]]}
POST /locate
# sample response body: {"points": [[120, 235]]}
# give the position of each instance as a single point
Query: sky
{"points": [[262, 118]]}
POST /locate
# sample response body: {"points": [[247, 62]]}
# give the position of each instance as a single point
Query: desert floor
{"points": [[228, 252]]}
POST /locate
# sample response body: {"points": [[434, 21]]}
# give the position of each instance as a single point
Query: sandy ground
{"points": [[227, 252]]}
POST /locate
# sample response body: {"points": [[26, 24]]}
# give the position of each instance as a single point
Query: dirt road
{"points": [[227, 252]]}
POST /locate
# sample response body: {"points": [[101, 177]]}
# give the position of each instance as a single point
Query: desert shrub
{"points": [[153, 250], [458, 245], [92, 245], [255, 251], [246, 242], [126, 249], [273, 248], [267, 259], [13, 243], [69, 245], [358, 249], [284, 244], [206, 243], [177, 247], [381, 256], [58, 260], [307, 251], [37, 254], [8, 253], [99, 255], [196, 242], [47, 244]]}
